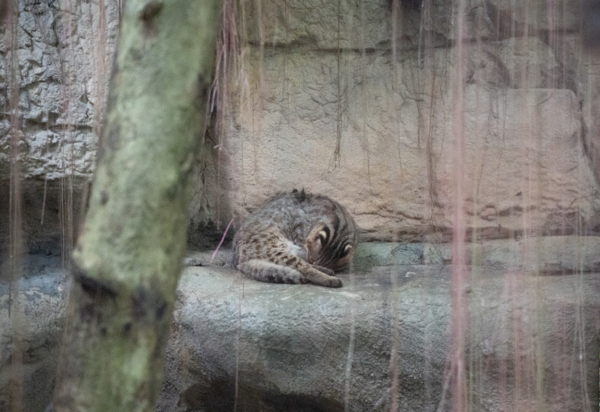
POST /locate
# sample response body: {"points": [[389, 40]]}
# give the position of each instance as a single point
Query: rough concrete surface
{"points": [[254, 346], [307, 348]]}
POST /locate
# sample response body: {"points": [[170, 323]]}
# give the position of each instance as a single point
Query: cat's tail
{"points": [[266, 271]]}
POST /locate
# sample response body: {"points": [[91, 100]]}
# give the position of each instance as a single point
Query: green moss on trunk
{"points": [[128, 257]]}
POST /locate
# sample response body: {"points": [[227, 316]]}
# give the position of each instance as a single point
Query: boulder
{"points": [[383, 339]]}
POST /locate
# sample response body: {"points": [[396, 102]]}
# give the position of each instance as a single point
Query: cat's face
{"points": [[332, 248]]}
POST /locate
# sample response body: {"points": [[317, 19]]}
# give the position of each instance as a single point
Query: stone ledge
{"points": [[307, 348], [544, 255], [548, 255]]}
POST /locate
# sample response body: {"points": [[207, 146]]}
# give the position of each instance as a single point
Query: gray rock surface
{"points": [[63, 72], [544, 255], [62, 60], [241, 344], [305, 348], [31, 323], [62, 56]]}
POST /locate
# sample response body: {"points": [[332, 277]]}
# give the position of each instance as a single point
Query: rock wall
{"points": [[57, 61], [63, 55], [357, 99], [366, 106]]}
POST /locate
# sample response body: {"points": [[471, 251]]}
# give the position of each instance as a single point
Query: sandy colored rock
{"points": [[374, 24], [524, 62], [524, 163], [389, 157], [330, 25]]}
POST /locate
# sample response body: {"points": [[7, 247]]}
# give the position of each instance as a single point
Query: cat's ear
{"points": [[323, 235], [347, 250], [316, 240]]}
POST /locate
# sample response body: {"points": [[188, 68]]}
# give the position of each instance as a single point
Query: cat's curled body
{"points": [[296, 238]]}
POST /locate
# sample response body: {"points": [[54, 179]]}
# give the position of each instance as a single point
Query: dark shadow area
{"points": [[220, 396]]}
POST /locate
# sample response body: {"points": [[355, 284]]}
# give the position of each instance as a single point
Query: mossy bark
{"points": [[127, 260]]}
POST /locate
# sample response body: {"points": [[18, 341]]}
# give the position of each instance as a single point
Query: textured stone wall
{"points": [[355, 99], [362, 106], [58, 61], [63, 55]]}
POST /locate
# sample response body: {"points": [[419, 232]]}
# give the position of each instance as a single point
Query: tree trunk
{"points": [[127, 260]]}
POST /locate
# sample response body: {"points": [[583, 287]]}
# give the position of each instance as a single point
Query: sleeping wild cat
{"points": [[296, 238]]}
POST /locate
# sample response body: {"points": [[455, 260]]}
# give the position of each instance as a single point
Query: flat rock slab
{"points": [[33, 318], [383, 340], [544, 255]]}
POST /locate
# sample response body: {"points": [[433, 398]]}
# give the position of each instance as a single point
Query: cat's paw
{"points": [[334, 283], [325, 270]]}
